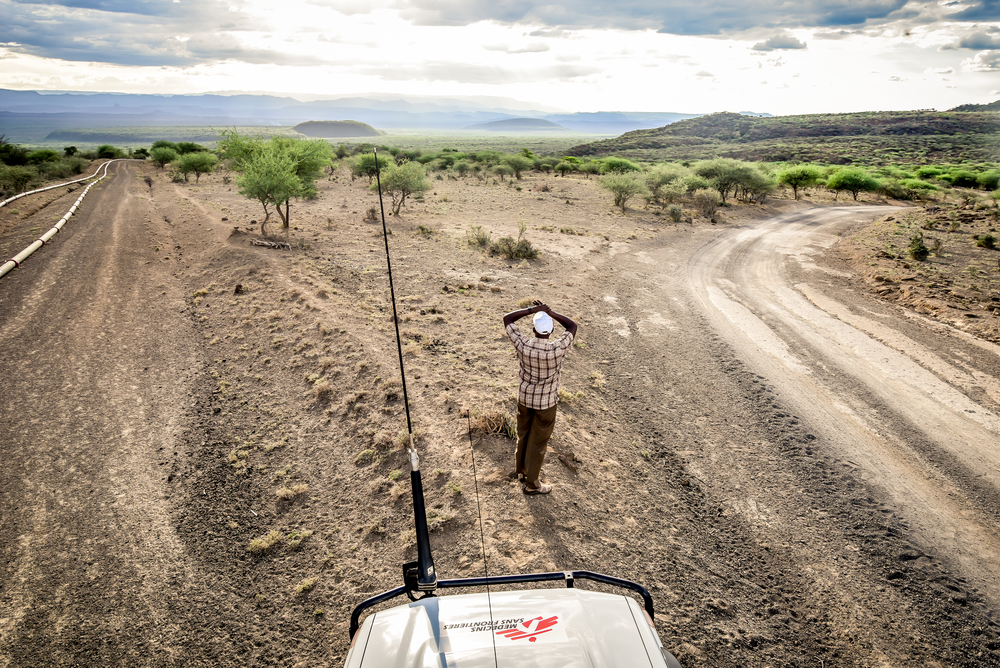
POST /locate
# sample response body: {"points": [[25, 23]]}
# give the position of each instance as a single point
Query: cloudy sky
{"points": [[777, 56]]}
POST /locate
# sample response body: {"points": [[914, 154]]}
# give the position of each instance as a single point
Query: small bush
{"points": [[513, 250], [917, 250], [986, 241], [706, 203], [675, 213], [477, 236]]}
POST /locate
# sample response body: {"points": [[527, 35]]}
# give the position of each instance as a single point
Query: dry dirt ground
{"points": [[802, 474]]}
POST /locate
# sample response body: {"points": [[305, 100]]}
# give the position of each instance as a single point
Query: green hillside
{"points": [[873, 138]]}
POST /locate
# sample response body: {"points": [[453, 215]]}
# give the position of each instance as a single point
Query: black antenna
{"points": [[426, 578], [482, 537]]}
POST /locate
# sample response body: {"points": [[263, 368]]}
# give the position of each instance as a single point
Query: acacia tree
{"points": [[163, 156], [365, 165], [666, 182], [199, 163], [624, 187], [305, 159], [613, 165], [799, 176], [519, 163], [402, 181], [853, 180], [269, 177]]}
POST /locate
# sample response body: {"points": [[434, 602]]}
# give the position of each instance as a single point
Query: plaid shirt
{"points": [[540, 361]]}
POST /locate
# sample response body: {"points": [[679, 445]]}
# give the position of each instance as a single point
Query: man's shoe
{"points": [[541, 489]]}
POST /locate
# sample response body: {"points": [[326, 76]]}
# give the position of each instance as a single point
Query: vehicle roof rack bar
{"points": [[566, 576]]}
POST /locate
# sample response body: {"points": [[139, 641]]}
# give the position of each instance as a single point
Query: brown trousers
{"points": [[534, 428]]}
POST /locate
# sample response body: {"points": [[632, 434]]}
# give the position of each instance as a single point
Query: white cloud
{"points": [[986, 61], [779, 42]]}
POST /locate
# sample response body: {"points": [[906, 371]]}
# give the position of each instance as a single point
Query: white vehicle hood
{"points": [[542, 628]]}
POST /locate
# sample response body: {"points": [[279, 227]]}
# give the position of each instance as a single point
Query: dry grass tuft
{"points": [[265, 543], [322, 391], [597, 380], [287, 493], [494, 420], [296, 538], [305, 585]]}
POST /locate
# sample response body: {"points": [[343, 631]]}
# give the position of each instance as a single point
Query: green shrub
{"points": [[675, 213], [961, 178], [197, 162], [62, 169], [894, 189], [919, 186], [746, 180], [986, 241], [623, 187], [108, 151], [989, 180], [917, 250], [43, 155], [613, 165], [17, 178], [515, 249], [666, 182], [706, 202], [929, 172], [477, 236]]}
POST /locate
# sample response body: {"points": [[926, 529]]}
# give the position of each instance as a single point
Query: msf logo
{"points": [[530, 629]]}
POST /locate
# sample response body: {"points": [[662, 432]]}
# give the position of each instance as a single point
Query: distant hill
{"points": [[29, 116], [892, 137], [336, 129], [518, 125], [992, 106]]}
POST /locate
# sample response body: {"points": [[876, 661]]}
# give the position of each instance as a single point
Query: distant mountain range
{"points": [[27, 116]]}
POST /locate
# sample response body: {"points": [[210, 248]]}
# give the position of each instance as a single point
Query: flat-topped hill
{"points": [[336, 129]]}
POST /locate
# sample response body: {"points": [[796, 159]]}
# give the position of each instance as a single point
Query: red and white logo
{"points": [[530, 629]]}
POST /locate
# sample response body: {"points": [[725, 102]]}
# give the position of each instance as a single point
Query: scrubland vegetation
{"points": [[275, 170]]}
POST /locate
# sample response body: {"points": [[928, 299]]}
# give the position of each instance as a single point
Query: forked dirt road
{"points": [[801, 475]]}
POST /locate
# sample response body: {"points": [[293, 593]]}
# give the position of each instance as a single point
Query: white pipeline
{"points": [[16, 261]]}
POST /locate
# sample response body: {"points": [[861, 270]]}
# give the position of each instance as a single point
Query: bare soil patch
{"points": [[958, 283]]}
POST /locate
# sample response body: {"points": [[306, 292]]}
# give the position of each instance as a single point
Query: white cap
{"points": [[543, 322]]}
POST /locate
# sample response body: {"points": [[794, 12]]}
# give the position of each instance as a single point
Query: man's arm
{"points": [[570, 326], [514, 316]]}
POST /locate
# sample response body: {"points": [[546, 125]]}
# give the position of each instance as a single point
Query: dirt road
{"points": [[898, 398], [97, 359], [801, 475]]}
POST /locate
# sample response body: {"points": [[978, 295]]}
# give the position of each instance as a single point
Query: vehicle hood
{"points": [[547, 628]]}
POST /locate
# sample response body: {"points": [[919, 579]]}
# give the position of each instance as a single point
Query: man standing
{"points": [[538, 393]]}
